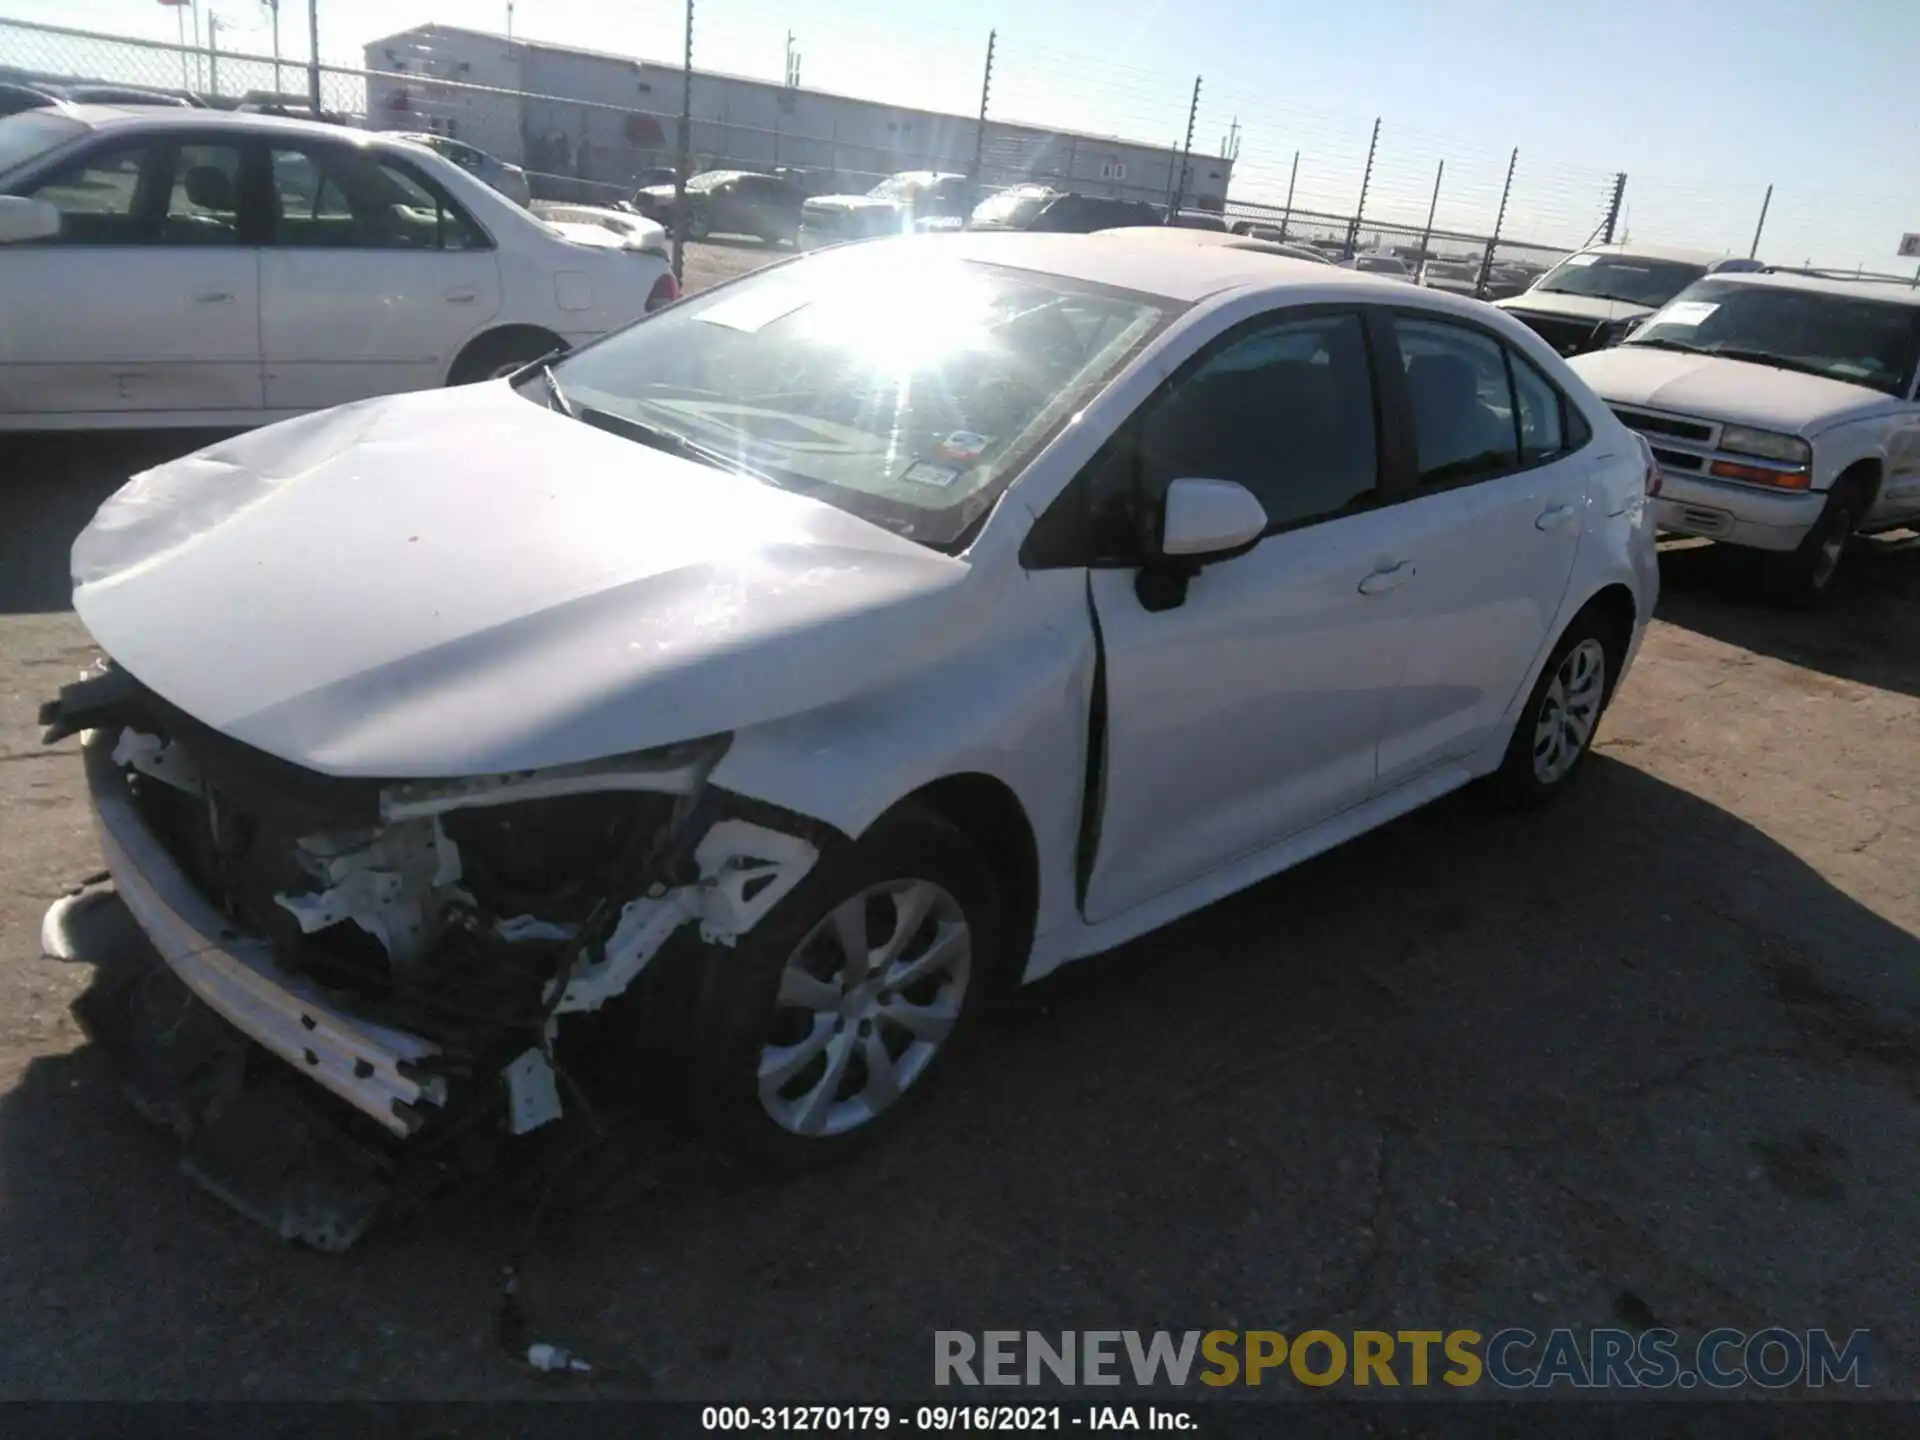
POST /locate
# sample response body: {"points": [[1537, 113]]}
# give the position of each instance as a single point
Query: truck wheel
{"points": [[1805, 576]]}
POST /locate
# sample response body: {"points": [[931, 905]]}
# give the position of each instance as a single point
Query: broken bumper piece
{"points": [[383, 1073]]}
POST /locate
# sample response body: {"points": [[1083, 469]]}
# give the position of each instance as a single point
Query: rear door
{"points": [[1490, 532], [148, 301], [372, 280]]}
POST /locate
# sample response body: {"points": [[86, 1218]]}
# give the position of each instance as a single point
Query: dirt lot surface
{"points": [[1650, 1054]]}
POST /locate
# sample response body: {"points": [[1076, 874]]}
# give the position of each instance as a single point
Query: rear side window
{"points": [[1463, 420], [341, 199], [1542, 433], [1286, 410]]}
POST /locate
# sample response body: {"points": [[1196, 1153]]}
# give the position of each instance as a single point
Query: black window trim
{"points": [[1508, 354], [1061, 537], [316, 146]]}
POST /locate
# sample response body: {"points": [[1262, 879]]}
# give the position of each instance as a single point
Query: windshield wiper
{"points": [[1760, 357], [1680, 345], [555, 395], [671, 441]]}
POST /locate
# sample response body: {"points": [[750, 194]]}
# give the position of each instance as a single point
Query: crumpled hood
{"points": [[463, 582], [1574, 307], [1715, 388]]}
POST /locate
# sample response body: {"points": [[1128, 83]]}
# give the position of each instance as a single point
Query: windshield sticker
{"points": [[1580, 259], [758, 308], [938, 476], [961, 445], [1687, 312]]}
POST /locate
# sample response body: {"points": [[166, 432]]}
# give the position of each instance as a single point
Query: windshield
{"points": [[887, 380], [1842, 337], [1627, 278], [1011, 208], [31, 134]]}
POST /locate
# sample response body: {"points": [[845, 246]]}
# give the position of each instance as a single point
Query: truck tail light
{"points": [[665, 291]]}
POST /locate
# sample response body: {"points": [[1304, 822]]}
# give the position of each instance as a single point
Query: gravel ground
{"points": [[1652, 1053]]}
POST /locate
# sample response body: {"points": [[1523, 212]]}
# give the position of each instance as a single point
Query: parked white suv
{"points": [[1781, 410], [175, 267], [780, 719]]}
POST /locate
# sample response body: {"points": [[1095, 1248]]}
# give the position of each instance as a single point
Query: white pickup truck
{"points": [[1782, 413]]}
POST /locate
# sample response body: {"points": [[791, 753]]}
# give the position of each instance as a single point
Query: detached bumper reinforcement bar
{"points": [[371, 1067]]}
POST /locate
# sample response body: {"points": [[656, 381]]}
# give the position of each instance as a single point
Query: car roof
{"points": [[133, 119], [1135, 258], [1632, 251], [1890, 290]]}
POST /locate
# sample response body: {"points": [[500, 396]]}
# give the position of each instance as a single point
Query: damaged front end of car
{"points": [[338, 986]]}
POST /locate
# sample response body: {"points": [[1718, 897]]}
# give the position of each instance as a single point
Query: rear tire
{"points": [[1804, 577], [501, 353], [805, 1054], [1556, 726]]}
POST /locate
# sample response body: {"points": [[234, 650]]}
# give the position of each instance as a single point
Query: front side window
{"points": [[148, 194], [1629, 279], [1286, 411], [1841, 337], [1463, 422], [350, 199], [99, 198], [898, 384]]}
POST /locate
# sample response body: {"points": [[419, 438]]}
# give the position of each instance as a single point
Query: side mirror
{"points": [[22, 220], [1205, 518], [1201, 520]]}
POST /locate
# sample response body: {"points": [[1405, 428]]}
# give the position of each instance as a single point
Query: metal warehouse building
{"points": [[629, 121]]}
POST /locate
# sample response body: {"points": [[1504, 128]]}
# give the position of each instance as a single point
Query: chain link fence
{"points": [[592, 128]]}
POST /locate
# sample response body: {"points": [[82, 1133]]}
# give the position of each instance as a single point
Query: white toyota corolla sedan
{"points": [[181, 267], [783, 674]]}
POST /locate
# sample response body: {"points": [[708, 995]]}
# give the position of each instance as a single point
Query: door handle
{"points": [[463, 297], [212, 297], [1387, 577], [1553, 517]]}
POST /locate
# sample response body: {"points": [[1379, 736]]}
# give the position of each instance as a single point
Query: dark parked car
{"points": [[730, 202], [15, 98], [1039, 207], [122, 95], [1200, 220]]}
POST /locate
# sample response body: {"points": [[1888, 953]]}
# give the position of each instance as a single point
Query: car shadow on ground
{"points": [[50, 485], [1539, 1069], [1866, 631]]}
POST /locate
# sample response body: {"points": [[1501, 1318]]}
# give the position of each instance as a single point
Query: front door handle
{"points": [[212, 297], [463, 297], [1553, 517], [1387, 577]]}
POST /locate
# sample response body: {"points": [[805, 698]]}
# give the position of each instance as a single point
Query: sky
{"points": [[1702, 103]]}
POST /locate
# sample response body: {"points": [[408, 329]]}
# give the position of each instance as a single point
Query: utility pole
{"points": [[1186, 153], [313, 56], [213, 53], [1366, 179], [1287, 214], [509, 24], [274, 7], [680, 161], [980, 127], [1426, 236], [1613, 207], [1754, 249], [1486, 260]]}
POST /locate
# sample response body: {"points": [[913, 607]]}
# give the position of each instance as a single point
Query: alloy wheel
{"points": [[1833, 545], [865, 1003], [1569, 711]]}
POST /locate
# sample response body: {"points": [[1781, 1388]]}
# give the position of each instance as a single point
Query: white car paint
{"points": [[1844, 425], [609, 598], [150, 335]]}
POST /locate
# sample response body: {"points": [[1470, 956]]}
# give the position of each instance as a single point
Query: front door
{"points": [[147, 301], [373, 281], [1490, 530], [1252, 710]]}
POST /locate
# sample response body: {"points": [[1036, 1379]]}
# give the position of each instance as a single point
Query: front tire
{"points": [[1805, 576], [500, 354], [823, 1030], [1555, 730]]}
